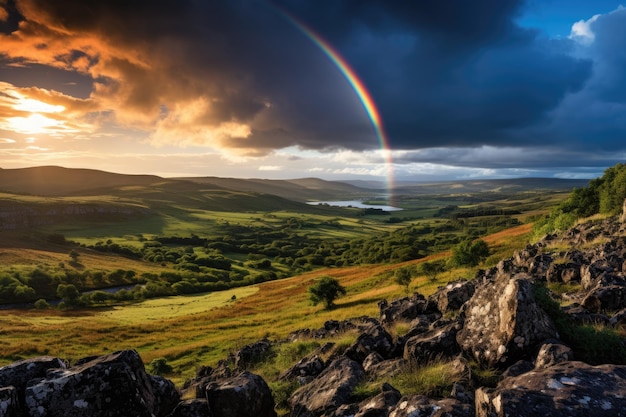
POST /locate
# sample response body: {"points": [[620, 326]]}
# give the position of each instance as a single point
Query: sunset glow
{"points": [[383, 91]]}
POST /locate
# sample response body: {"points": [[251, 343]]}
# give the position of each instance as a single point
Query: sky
{"points": [[379, 90]]}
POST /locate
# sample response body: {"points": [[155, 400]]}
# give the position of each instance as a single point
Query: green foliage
{"points": [[159, 366], [604, 195], [403, 277], [469, 253], [69, 293], [432, 269], [41, 304], [325, 291]]}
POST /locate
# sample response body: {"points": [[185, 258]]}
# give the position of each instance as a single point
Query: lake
{"points": [[354, 203]]}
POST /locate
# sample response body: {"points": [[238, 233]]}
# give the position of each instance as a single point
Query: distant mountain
{"points": [[304, 189], [59, 181], [489, 185]]}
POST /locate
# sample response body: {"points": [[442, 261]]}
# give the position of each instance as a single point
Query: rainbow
{"points": [[359, 88]]}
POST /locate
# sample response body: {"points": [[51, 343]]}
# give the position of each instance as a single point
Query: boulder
{"points": [[439, 342], [421, 406], [452, 296], [246, 394], [568, 272], [111, 385], [166, 396], [331, 389], [9, 402], [252, 354], [19, 373], [503, 322], [197, 407], [612, 297], [405, 309], [307, 367], [380, 405], [374, 339], [568, 389], [552, 353]]}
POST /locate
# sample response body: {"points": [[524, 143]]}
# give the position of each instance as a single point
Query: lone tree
{"points": [[432, 269], [326, 290], [403, 278]]}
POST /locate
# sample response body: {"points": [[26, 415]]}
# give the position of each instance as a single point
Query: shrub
{"points": [[159, 366]]}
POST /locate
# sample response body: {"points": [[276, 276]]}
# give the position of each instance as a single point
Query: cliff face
{"points": [[20, 216]]}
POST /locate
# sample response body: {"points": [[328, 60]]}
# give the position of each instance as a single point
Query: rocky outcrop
{"points": [[373, 339], [330, 390], [503, 322], [111, 385], [246, 394], [452, 296], [9, 402], [568, 389], [252, 354], [438, 343], [405, 309]]}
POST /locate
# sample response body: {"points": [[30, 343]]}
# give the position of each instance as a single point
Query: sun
{"points": [[37, 122], [34, 124]]}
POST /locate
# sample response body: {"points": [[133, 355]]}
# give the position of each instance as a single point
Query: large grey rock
{"points": [[405, 309], [166, 396], [373, 339], [108, 386], [252, 354], [439, 342], [421, 406], [452, 296], [307, 368], [568, 389], [380, 405], [19, 373], [246, 394], [197, 407], [552, 353], [9, 402], [331, 389], [503, 322], [603, 298]]}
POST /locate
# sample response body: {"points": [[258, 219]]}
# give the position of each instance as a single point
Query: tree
{"points": [[468, 253], [74, 255], [69, 293], [326, 290], [403, 277], [432, 269]]}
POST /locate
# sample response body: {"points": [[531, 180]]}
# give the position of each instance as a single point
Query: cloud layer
{"points": [[458, 83]]}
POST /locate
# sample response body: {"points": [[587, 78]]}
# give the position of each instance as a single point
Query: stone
{"points": [[9, 402], [166, 396], [252, 354], [381, 404], [307, 367], [434, 344], [568, 389], [453, 296], [111, 385], [553, 353], [374, 339], [197, 407], [331, 389], [421, 406], [19, 373], [405, 309], [618, 319], [503, 322], [612, 297], [246, 394]]}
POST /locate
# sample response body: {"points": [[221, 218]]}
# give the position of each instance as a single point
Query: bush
{"points": [[41, 304], [159, 366], [468, 253]]}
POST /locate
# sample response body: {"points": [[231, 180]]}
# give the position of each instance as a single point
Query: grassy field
{"points": [[190, 331]]}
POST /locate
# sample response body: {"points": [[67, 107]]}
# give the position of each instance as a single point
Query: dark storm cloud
{"points": [[457, 73]]}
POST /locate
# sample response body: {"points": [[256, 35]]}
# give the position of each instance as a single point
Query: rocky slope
{"points": [[499, 320]]}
